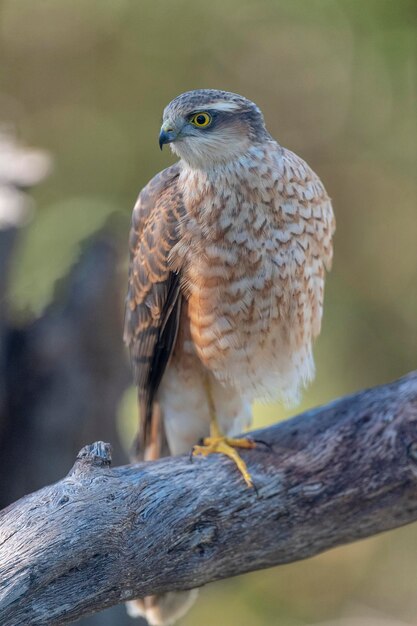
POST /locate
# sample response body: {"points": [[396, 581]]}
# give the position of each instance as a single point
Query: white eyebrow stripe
{"points": [[221, 105]]}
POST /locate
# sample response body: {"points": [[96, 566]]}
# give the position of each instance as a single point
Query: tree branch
{"points": [[101, 536]]}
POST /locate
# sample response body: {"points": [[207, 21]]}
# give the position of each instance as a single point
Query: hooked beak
{"points": [[167, 135]]}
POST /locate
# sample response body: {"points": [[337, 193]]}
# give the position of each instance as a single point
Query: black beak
{"points": [[166, 136]]}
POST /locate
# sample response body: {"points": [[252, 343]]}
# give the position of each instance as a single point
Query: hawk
{"points": [[228, 252]]}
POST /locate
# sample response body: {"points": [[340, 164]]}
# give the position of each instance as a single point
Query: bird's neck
{"points": [[216, 169], [225, 194]]}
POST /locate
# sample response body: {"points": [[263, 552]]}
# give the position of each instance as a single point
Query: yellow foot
{"points": [[227, 445]]}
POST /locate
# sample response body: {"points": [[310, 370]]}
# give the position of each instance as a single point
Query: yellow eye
{"points": [[201, 119]]}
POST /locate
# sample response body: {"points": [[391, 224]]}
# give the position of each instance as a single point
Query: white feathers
{"points": [[162, 610], [221, 105], [187, 415], [212, 148]]}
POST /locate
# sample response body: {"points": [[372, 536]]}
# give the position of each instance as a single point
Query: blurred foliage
{"points": [[336, 80]]}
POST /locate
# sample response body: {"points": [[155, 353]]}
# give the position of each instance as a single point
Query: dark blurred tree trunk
{"points": [[61, 375], [64, 374]]}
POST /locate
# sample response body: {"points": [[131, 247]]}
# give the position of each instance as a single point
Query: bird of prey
{"points": [[228, 251]]}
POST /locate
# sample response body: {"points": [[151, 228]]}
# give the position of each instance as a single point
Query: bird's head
{"points": [[207, 126]]}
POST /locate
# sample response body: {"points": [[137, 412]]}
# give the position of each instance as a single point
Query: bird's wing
{"points": [[153, 300], [310, 226], [303, 187]]}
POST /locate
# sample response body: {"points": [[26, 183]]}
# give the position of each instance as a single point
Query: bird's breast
{"points": [[244, 277], [236, 298]]}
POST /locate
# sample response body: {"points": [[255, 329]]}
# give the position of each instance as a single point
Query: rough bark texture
{"points": [[100, 536]]}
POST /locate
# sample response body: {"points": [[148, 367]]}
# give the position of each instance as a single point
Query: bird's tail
{"points": [[163, 609], [150, 443]]}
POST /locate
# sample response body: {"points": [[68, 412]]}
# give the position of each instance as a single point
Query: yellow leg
{"points": [[218, 443]]}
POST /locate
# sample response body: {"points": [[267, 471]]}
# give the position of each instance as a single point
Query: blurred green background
{"points": [[336, 79]]}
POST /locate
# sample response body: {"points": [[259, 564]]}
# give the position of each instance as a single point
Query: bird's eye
{"points": [[201, 120]]}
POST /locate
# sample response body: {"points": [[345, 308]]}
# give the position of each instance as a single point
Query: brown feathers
{"points": [[242, 239], [153, 300]]}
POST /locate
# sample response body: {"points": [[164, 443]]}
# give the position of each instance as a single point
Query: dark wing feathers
{"points": [[153, 300]]}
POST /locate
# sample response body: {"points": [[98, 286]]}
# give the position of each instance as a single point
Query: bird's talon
{"points": [[227, 446], [263, 443]]}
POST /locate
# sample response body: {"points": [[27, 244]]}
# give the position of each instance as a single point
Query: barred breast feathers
{"points": [[254, 243]]}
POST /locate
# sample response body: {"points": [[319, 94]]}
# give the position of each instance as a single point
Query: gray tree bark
{"points": [[101, 536]]}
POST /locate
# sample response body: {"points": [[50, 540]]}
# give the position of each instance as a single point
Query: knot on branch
{"points": [[97, 454]]}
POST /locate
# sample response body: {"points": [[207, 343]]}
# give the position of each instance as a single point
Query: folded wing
{"points": [[153, 300]]}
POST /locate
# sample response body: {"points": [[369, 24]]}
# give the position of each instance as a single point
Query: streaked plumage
{"points": [[228, 252], [232, 254]]}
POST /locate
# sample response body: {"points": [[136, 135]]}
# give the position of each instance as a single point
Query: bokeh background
{"points": [[87, 80]]}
